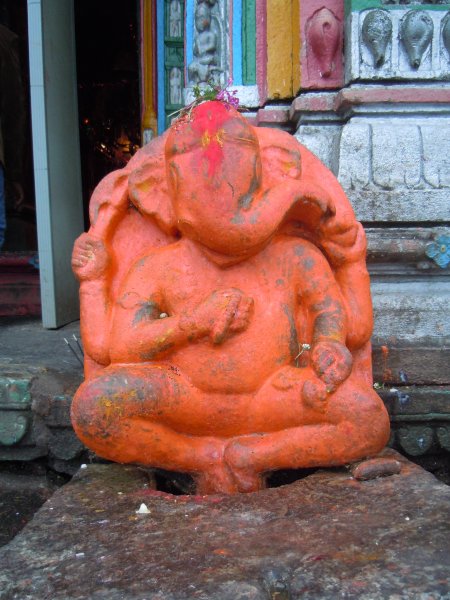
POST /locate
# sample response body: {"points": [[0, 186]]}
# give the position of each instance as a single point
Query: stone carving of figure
{"points": [[205, 66], [175, 86], [225, 311], [175, 19]]}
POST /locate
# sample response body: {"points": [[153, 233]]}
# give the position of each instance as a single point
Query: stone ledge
{"points": [[325, 536], [394, 97]]}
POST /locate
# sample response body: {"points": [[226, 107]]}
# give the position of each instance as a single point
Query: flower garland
{"points": [[209, 93]]}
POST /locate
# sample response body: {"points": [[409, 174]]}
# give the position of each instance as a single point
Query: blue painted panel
{"points": [[237, 42], [189, 35], [160, 65]]}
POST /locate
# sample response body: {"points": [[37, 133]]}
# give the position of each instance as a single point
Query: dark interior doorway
{"points": [[19, 274], [107, 40], [20, 234]]}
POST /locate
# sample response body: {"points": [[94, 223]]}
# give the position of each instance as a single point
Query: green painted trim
{"points": [[249, 42], [358, 5], [14, 393], [173, 57]]}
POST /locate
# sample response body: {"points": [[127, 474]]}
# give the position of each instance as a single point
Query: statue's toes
{"points": [[238, 460], [216, 481], [248, 481]]}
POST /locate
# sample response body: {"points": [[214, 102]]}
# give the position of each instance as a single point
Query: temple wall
{"points": [[385, 133]]}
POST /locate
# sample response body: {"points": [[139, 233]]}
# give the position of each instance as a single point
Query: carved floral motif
{"points": [[416, 31], [376, 34], [439, 251]]}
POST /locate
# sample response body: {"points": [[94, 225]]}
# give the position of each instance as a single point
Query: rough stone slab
{"points": [[20, 497], [326, 536]]}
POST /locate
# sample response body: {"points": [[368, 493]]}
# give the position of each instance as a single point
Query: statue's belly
{"points": [[242, 362]]}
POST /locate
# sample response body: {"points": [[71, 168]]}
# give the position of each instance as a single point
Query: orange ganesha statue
{"points": [[225, 310]]}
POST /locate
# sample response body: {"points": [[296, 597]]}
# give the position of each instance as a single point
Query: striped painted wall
{"points": [[274, 48]]}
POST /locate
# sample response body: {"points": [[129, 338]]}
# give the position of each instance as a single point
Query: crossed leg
{"points": [[153, 415], [354, 424], [130, 414]]}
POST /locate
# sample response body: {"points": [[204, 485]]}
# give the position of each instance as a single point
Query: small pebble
{"points": [[143, 510]]}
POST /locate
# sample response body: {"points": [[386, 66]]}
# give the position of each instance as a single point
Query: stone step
{"points": [[325, 536]]}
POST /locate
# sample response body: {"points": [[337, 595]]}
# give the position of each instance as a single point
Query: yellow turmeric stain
{"points": [[206, 139], [219, 137]]}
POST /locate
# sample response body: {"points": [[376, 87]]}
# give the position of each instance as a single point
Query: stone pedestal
{"points": [[325, 536]]}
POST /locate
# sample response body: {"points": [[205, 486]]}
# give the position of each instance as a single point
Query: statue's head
{"points": [[202, 17], [214, 173]]}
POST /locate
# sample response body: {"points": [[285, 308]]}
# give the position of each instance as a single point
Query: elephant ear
{"points": [[280, 156], [149, 192], [108, 204]]}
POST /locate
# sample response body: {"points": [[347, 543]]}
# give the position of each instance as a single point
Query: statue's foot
{"points": [[248, 481], [244, 475], [225, 478], [217, 480]]}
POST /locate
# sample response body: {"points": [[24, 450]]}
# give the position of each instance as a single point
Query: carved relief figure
{"points": [[416, 32], [175, 19], [323, 33], [205, 66], [226, 311], [376, 34], [175, 86]]}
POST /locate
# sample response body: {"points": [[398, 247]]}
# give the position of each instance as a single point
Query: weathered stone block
{"points": [[395, 185], [325, 536]]}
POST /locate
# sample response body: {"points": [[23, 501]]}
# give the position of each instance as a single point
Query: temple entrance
{"points": [[19, 275], [20, 233], [107, 41], [107, 47]]}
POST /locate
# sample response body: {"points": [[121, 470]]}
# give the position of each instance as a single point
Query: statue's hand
{"points": [[223, 312], [332, 362], [315, 394], [343, 242], [90, 259]]}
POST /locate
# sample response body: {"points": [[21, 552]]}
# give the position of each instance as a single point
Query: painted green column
{"points": [[248, 42]]}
